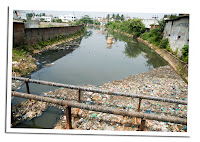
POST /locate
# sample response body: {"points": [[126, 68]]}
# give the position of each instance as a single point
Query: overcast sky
{"points": [[79, 14]]}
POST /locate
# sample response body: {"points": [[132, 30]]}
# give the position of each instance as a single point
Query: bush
{"points": [[164, 43], [145, 36], [184, 51]]}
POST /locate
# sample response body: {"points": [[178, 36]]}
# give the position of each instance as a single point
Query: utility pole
{"points": [[155, 17]]}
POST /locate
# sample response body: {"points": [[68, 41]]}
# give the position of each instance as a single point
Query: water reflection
{"points": [[134, 48], [87, 34]]}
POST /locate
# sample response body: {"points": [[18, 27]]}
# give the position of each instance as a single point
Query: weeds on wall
{"points": [[185, 51]]}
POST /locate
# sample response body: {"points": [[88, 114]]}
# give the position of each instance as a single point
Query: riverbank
{"points": [[160, 82], [23, 62], [179, 66]]}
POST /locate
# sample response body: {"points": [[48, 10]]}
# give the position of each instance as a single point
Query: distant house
{"points": [[19, 15], [42, 18], [67, 18], [150, 24], [177, 32], [127, 18], [45, 18]]}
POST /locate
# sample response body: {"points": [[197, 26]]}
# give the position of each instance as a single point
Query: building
{"points": [[42, 18], [66, 18], [127, 18], [177, 32], [19, 15], [150, 24]]}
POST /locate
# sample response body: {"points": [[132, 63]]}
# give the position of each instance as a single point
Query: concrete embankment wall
{"points": [[179, 66], [31, 36], [177, 32]]}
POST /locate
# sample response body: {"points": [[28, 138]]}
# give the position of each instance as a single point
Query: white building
{"points": [[42, 18], [149, 22], [19, 14], [66, 18]]}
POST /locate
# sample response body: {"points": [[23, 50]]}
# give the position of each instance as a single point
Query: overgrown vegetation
{"points": [[155, 35], [164, 43], [23, 54], [184, 51], [133, 26]]}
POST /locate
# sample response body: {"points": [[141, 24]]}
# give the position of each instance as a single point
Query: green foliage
{"points": [[122, 18], [42, 19], [172, 16], [53, 20], [145, 36], [134, 26], [155, 35], [29, 15], [59, 20], [184, 50], [169, 49], [164, 43], [97, 23], [86, 20], [108, 17]]}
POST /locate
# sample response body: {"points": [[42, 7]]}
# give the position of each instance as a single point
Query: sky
{"points": [[79, 14]]}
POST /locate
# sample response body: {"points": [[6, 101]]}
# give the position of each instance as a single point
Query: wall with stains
{"points": [[177, 32], [32, 36]]}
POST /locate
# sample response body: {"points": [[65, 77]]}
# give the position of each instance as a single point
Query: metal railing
{"points": [[104, 109]]}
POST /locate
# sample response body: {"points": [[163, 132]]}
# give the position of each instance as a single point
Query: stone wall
{"points": [[32, 36], [18, 33], [177, 32]]}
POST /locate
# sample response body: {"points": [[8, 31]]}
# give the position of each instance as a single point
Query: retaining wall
{"points": [[177, 32], [179, 66], [32, 36]]}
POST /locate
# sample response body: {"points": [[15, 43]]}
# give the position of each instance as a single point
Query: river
{"points": [[90, 61]]}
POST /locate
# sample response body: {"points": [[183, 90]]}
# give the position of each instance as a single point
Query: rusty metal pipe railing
{"points": [[102, 91], [102, 108]]}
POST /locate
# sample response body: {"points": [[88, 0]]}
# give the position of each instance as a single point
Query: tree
{"points": [[118, 17], [122, 17], [136, 27], [42, 19], [108, 17], [113, 16], [53, 20], [86, 20], [29, 15], [59, 20]]}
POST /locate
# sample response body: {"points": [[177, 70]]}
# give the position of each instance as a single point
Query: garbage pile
{"points": [[27, 110], [161, 82]]}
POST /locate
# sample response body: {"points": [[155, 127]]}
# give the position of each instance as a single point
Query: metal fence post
{"points": [[143, 120], [79, 95], [139, 104], [27, 87], [68, 117]]}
